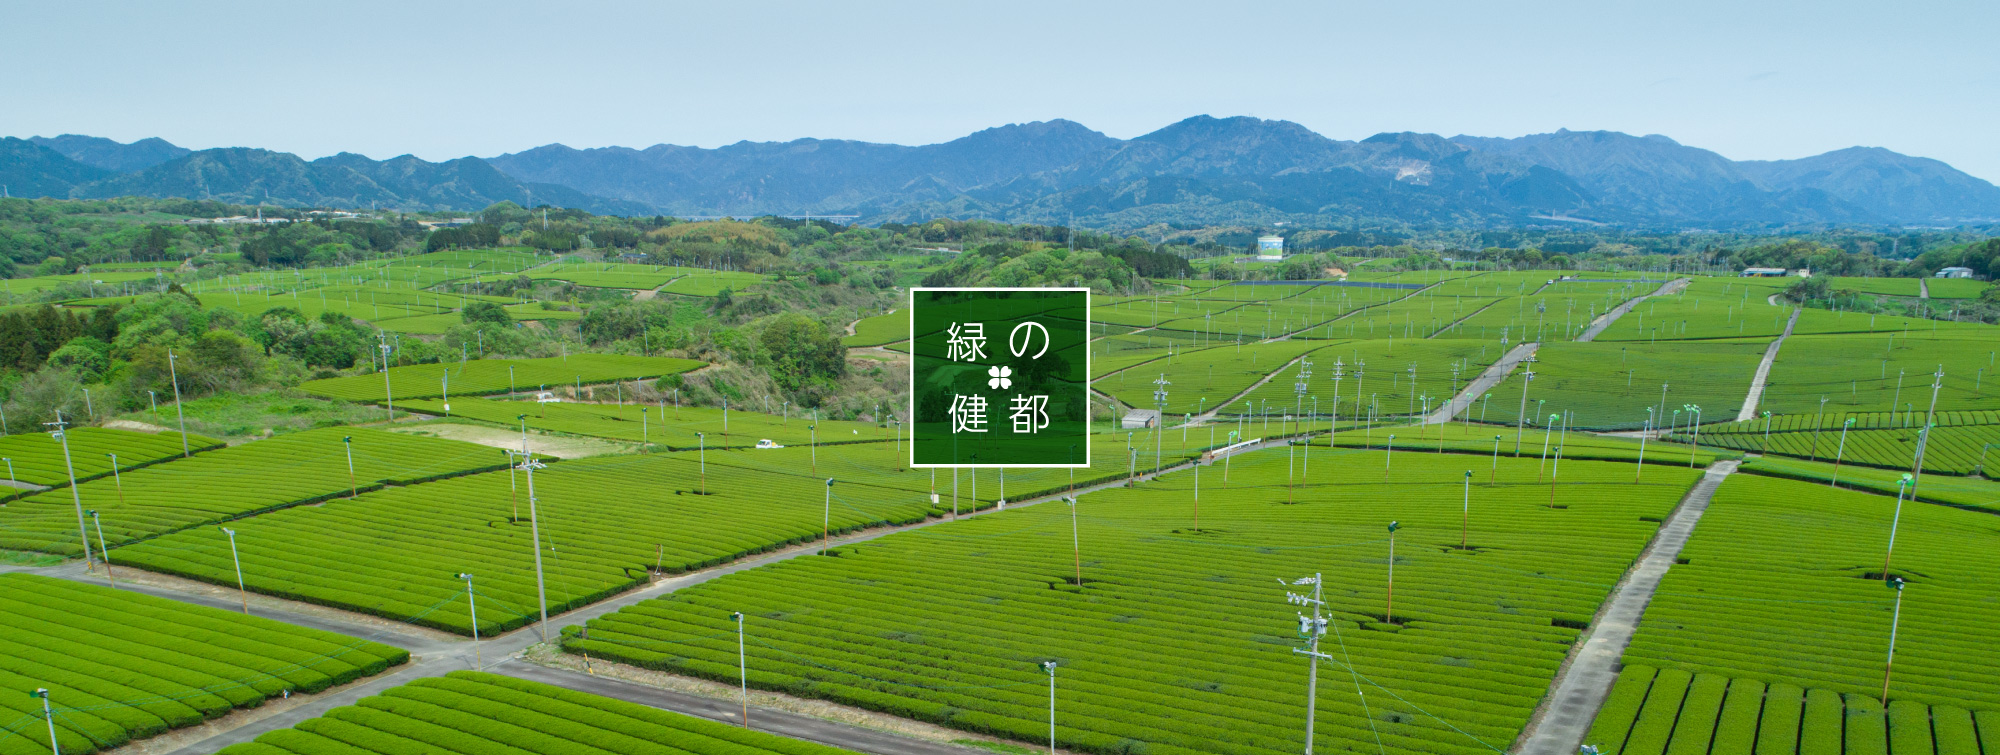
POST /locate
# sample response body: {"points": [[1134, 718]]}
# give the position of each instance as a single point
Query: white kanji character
{"points": [[968, 414], [1030, 413], [967, 342]]}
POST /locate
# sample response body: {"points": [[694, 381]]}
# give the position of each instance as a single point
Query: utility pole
{"points": [[1465, 518], [1841, 451], [1521, 416], [826, 518], [1050, 667], [1076, 541], [353, 487], [388, 396], [529, 465], [241, 591], [1389, 608], [1895, 620], [1924, 434], [742, 669], [1160, 424], [1311, 629], [101, 549], [174, 374], [472, 604], [1895, 521], [74, 496], [50, 716]]}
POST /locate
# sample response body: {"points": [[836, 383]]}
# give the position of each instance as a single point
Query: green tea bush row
{"points": [[38, 457], [1781, 583], [1671, 712], [122, 666], [468, 711], [217, 486], [1176, 641], [490, 376], [607, 524]]}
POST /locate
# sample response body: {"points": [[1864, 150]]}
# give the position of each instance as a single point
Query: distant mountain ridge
{"points": [[97, 151], [1201, 170], [74, 166]]}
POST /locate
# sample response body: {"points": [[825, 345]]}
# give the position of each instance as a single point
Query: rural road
{"points": [[1605, 320], [1749, 410], [1480, 385], [1579, 690]]}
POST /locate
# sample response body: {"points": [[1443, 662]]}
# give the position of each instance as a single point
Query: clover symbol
{"points": [[998, 377]]}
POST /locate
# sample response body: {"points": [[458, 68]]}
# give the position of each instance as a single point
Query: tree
{"points": [[798, 351], [484, 311]]}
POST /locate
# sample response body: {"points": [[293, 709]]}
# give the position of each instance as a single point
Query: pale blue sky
{"points": [[1751, 80]]}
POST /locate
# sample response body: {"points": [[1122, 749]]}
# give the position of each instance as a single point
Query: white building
{"points": [[1955, 272], [1140, 419], [1270, 248]]}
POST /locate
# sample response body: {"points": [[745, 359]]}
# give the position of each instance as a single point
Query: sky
{"points": [[1748, 79]]}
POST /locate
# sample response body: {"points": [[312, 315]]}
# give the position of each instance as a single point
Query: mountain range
{"points": [[1199, 171]]}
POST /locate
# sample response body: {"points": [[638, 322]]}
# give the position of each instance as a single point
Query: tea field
{"points": [[1782, 583], [1954, 450], [1177, 637], [879, 330], [489, 376], [37, 458], [217, 486], [1863, 373], [121, 666], [1772, 631], [469, 711], [1601, 385], [661, 424], [607, 524]]}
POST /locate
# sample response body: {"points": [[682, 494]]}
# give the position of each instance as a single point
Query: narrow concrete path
{"points": [[1480, 385], [1579, 689], [1749, 410], [1923, 289], [778, 722], [1605, 321]]}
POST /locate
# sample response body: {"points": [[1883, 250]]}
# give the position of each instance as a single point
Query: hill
{"points": [[1201, 170]]}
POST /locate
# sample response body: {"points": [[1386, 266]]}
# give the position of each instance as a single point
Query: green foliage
{"points": [[38, 458], [284, 471], [879, 330], [121, 665], [1781, 583], [467, 711], [800, 352], [477, 312], [617, 518], [490, 376], [1168, 642]]}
